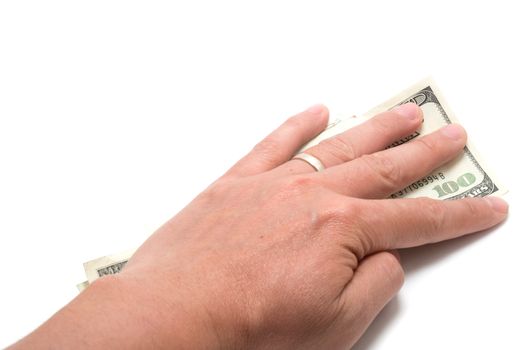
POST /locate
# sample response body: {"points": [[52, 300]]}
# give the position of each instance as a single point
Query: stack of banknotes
{"points": [[465, 176]]}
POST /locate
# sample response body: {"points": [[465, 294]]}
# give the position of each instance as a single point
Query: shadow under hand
{"points": [[384, 318], [414, 259]]}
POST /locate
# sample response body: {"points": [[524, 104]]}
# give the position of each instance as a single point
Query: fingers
{"points": [[380, 174], [371, 136], [281, 144], [401, 223], [375, 282]]}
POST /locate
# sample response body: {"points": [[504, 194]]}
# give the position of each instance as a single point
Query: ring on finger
{"points": [[313, 161]]}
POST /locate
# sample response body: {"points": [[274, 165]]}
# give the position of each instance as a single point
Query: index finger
{"points": [[410, 222]]}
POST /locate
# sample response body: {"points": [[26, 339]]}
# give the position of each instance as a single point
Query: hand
{"points": [[274, 255]]}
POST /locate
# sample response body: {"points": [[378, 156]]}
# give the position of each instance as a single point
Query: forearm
{"points": [[111, 314]]}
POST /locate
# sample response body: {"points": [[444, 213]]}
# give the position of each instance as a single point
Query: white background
{"points": [[114, 114]]}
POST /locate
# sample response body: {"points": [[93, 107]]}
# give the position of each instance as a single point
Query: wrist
{"points": [[116, 312]]}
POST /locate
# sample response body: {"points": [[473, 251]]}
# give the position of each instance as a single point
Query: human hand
{"points": [[275, 255]]}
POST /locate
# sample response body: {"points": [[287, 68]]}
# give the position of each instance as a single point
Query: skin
{"points": [[274, 255]]}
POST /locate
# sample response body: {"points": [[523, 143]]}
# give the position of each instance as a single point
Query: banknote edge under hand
{"points": [[93, 267], [82, 286]]}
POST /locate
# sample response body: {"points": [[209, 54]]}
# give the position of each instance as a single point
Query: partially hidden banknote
{"points": [[465, 176], [106, 265]]}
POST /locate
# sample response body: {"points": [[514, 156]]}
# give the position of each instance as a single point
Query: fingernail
{"points": [[316, 109], [498, 204], [453, 131], [408, 110]]}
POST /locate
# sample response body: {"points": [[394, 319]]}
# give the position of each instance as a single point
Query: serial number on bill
{"points": [[419, 184]]}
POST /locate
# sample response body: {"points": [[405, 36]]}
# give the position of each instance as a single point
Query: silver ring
{"points": [[308, 158]]}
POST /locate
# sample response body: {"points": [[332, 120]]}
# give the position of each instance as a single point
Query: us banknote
{"points": [[465, 176], [106, 265]]}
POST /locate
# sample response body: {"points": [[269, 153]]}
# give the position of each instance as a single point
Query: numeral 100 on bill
{"points": [[449, 187]]}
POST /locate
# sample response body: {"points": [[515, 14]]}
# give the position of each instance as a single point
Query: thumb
{"points": [[375, 282]]}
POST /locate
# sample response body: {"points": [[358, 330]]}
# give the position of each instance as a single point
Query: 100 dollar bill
{"points": [[464, 176], [106, 265]]}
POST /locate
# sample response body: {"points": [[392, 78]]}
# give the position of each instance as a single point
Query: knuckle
{"points": [[359, 245], [385, 168], [297, 185], [472, 211], [338, 147], [343, 218], [436, 215], [340, 212], [294, 122], [392, 268], [267, 147], [382, 125], [427, 144]]}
